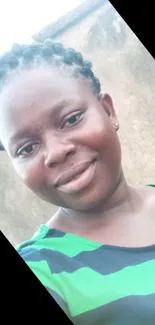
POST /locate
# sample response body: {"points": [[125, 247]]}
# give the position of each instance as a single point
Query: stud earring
{"points": [[116, 126]]}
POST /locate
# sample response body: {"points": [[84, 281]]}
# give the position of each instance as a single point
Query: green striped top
{"points": [[94, 284]]}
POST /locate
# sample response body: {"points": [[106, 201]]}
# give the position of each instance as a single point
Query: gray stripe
{"points": [[133, 310], [56, 261], [106, 259], [59, 300], [52, 233], [103, 260]]}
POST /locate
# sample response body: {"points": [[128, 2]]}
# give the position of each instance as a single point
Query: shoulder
{"points": [[151, 197], [27, 247], [45, 250], [39, 254], [39, 251], [148, 194], [149, 191], [42, 245]]}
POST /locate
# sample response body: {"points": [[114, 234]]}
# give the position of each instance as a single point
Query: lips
{"points": [[77, 179], [71, 174]]}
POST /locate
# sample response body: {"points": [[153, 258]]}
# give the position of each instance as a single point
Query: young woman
{"points": [[96, 255]]}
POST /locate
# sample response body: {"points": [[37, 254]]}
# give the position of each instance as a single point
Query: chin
{"points": [[85, 202], [92, 198]]}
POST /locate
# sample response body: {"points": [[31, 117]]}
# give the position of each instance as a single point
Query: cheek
{"points": [[31, 174], [94, 129], [95, 138], [100, 136], [96, 133]]}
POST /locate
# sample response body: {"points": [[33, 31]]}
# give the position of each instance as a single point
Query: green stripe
{"points": [[43, 273], [64, 246], [85, 289], [152, 185], [39, 234]]}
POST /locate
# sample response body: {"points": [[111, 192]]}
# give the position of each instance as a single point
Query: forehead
{"points": [[35, 90], [34, 86]]}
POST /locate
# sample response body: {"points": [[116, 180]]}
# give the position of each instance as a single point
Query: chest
{"points": [[136, 232], [109, 286]]}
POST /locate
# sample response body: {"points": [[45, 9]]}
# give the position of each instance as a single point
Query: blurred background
{"points": [[126, 70]]}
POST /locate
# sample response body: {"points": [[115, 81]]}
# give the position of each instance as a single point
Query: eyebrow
{"points": [[23, 133], [62, 104], [18, 135]]}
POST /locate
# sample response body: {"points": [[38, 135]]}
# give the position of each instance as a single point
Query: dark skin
{"points": [[52, 125]]}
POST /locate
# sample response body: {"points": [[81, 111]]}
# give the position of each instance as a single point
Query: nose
{"points": [[57, 151]]}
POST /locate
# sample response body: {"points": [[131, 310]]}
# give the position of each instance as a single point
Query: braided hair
{"points": [[50, 53]]}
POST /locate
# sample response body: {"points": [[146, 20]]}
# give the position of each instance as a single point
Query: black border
{"points": [[140, 17], [20, 289], [22, 294]]}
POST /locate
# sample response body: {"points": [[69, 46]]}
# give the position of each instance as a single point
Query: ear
{"points": [[107, 104]]}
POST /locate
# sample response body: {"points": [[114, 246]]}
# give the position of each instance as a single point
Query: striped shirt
{"points": [[94, 284]]}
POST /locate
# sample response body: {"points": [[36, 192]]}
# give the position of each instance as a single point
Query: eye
{"points": [[27, 150], [73, 119]]}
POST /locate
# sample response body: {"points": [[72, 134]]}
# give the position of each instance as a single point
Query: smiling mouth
{"points": [[77, 178]]}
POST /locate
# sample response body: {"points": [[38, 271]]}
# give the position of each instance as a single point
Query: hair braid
{"points": [[51, 53]]}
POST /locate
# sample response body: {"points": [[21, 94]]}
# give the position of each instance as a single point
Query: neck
{"points": [[123, 202]]}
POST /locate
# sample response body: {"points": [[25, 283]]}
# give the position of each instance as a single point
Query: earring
{"points": [[116, 126]]}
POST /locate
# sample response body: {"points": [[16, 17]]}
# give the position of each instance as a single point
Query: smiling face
{"points": [[61, 138]]}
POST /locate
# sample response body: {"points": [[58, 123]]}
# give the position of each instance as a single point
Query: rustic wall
{"points": [[127, 72]]}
